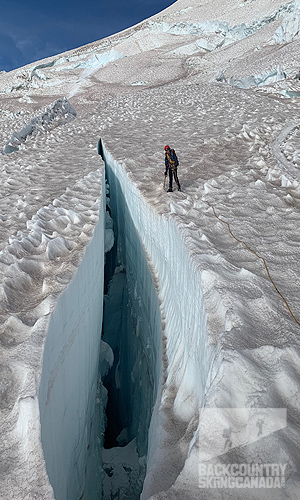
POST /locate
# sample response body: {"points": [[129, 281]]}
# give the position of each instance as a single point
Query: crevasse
{"points": [[132, 328], [182, 371], [162, 352]]}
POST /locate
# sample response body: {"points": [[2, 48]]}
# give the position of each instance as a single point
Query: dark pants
{"points": [[171, 173]]}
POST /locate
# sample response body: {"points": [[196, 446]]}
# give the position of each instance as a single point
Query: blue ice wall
{"points": [[137, 323], [69, 377]]}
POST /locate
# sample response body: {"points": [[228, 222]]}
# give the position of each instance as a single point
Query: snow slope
{"points": [[217, 81]]}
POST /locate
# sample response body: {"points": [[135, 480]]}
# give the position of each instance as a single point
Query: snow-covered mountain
{"points": [[198, 362]]}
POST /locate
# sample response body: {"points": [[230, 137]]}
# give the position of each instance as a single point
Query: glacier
{"points": [[150, 340]]}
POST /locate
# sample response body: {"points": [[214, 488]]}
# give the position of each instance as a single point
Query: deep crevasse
{"points": [[132, 328], [173, 367], [186, 354]]}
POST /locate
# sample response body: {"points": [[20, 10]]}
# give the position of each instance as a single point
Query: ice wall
{"points": [[186, 355], [140, 348], [69, 377], [132, 327]]}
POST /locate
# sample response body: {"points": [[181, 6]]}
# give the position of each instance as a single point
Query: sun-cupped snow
{"points": [[45, 357], [219, 82], [249, 338]]}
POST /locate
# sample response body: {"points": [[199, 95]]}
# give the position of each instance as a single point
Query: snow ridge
{"points": [[58, 113]]}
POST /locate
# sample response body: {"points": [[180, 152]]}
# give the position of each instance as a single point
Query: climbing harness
{"points": [[258, 256]]}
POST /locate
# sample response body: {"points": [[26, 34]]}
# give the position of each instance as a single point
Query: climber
{"points": [[171, 163]]}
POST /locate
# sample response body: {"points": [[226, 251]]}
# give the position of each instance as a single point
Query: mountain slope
{"points": [[219, 82]]}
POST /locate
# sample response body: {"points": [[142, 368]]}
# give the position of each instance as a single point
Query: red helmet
{"points": [[167, 147]]}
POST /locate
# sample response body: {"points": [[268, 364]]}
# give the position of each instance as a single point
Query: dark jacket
{"points": [[171, 160]]}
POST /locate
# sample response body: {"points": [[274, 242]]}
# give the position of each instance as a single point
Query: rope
{"points": [[258, 256]]}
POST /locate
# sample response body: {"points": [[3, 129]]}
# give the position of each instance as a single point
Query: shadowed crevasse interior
{"points": [[132, 328]]}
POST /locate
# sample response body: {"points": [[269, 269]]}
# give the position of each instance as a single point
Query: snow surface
{"points": [[218, 82]]}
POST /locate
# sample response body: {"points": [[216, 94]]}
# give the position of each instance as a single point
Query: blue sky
{"points": [[33, 29]]}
